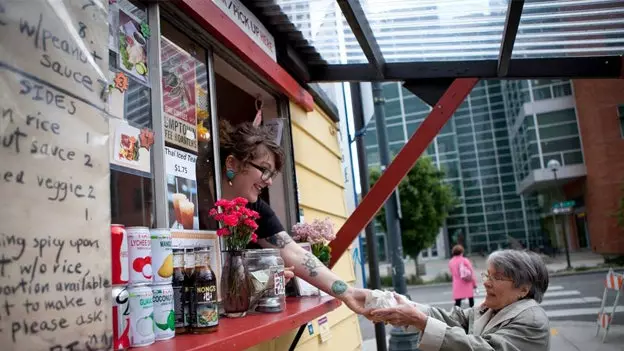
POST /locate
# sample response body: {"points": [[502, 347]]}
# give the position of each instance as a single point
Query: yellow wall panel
{"points": [[313, 156], [310, 214], [344, 267], [319, 194], [317, 125]]}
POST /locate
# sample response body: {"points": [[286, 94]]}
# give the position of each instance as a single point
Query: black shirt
{"points": [[268, 223]]}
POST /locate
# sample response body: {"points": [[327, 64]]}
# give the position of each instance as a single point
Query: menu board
{"points": [[54, 177]]}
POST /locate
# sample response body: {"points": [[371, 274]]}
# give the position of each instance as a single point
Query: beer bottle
{"points": [[204, 306], [180, 299]]}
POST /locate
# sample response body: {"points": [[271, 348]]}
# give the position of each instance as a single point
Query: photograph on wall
{"points": [[179, 95], [130, 146], [132, 47], [181, 189]]}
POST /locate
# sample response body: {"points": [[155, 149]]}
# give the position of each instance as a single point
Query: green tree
{"points": [[425, 203], [620, 211]]}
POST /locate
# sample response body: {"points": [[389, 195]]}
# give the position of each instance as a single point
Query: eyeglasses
{"points": [[495, 278], [266, 173]]}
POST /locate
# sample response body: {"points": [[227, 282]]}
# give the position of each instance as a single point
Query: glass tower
{"points": [[487, 150]]}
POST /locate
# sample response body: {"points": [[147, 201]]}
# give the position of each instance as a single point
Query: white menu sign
{"points": [[54, 177]]}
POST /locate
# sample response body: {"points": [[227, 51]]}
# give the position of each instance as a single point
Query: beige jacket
{"points": [[521, 326]]}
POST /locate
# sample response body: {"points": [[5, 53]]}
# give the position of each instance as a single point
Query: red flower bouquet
{"points": [[238, 223]]}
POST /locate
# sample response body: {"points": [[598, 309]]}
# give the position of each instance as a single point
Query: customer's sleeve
{"points": [[527, 331]]}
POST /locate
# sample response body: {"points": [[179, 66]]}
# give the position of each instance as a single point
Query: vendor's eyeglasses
{"points": [[495, 278], [266, 173]]}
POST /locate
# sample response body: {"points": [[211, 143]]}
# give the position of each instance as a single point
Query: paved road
{"points": [[569, 298]]}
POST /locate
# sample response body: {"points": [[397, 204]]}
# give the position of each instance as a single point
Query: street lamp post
{"points": [[554, 166]]}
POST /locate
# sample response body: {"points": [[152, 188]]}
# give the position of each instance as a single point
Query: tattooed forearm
{"points": [[279, 240], [311, 263], [339, 287]]}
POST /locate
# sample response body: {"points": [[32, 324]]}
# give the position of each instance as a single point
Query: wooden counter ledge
{"points": [[242, 333]]}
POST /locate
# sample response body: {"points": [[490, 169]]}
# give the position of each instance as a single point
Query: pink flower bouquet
{"points": [[319, 234]]}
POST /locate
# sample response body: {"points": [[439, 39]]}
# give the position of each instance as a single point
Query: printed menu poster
{"points": [[132, 47], [182, 189], [179, 96], [55, 235]]}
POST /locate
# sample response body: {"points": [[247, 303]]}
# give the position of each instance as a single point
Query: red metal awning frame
{"points": [[403, 162]]}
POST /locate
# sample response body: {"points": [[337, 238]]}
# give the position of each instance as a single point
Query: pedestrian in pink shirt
{"points": [[464, 281]]}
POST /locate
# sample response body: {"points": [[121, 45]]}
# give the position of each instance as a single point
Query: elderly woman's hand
{"points": [[403, 314]]}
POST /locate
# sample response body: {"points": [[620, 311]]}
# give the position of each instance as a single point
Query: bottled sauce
{"points": [[204, 306], [180, 296], [188, 284]]}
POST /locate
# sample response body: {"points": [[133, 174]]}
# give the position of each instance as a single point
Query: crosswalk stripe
{"points": [[550, 288], [578, 312], [571, 301], [548, 301]]}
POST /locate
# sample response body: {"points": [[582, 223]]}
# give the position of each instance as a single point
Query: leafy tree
{"points": [[425, 203]]}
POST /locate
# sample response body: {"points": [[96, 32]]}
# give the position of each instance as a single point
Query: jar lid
{"points": [[262, 252]]}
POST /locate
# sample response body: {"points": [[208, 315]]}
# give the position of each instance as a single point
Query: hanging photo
{"points": [[179, 95], [132, 47], [182, 189], [130, 146]]}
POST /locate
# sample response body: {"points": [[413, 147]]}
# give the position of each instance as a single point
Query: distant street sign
{"points": [[563, 207]]}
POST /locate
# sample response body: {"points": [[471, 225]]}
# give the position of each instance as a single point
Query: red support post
{"points": [[403, 162]]}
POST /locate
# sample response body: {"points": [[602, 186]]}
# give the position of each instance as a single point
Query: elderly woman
{"points": [[509, 319]]}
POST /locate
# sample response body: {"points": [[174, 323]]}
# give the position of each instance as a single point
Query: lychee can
{"points": [[119, 251], [121, 318], [139, 256], [164, 313], [141, 315], [162, 256]]}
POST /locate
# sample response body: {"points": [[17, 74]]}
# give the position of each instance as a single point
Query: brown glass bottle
{"points": [[180, 299], [204, 306], [189, 284]]}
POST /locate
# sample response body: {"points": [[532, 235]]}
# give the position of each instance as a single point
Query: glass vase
{"points": [[235, 288]]}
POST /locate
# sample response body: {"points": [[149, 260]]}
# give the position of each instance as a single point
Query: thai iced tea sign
{"points": [[54, 177]]}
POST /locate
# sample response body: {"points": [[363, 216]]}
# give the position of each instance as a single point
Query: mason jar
{"points": [[266, 269]]}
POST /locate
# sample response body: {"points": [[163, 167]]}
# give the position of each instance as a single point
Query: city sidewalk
{"points": [[567, 336], [435, 267]]}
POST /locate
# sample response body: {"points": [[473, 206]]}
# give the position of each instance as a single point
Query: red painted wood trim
{"points": [[211, 18], [403, 162], [243, 333]]}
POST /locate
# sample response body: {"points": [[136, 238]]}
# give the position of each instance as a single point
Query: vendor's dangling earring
{"points": [[229, 173]]}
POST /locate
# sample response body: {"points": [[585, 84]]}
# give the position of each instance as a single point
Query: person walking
{"points": [[464, 281]]}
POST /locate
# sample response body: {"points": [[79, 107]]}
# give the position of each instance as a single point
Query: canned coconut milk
{"points": [[121, 318], [164, 313], [141, 311], [119, 251], [162, 255], [139, 255]]}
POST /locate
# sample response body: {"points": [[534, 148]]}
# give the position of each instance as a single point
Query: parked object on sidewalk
{"points": [[463, 276], [615, 282], [510, 318]]}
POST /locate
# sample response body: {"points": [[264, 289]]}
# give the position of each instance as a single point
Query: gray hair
{"points": [[523, 268]]}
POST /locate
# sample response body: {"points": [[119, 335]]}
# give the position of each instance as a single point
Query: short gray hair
{"points": [[523, 268]]}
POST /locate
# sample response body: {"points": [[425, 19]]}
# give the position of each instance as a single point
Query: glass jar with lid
{"points": [[266, 269]]}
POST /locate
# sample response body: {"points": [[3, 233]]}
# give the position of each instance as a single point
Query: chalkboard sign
{"points": [[54, 176]]}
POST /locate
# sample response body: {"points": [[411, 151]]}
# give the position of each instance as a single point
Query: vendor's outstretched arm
{"points": [[308, 267]]}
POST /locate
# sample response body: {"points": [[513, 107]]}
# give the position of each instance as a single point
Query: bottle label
{"points": [[207, 309]]}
